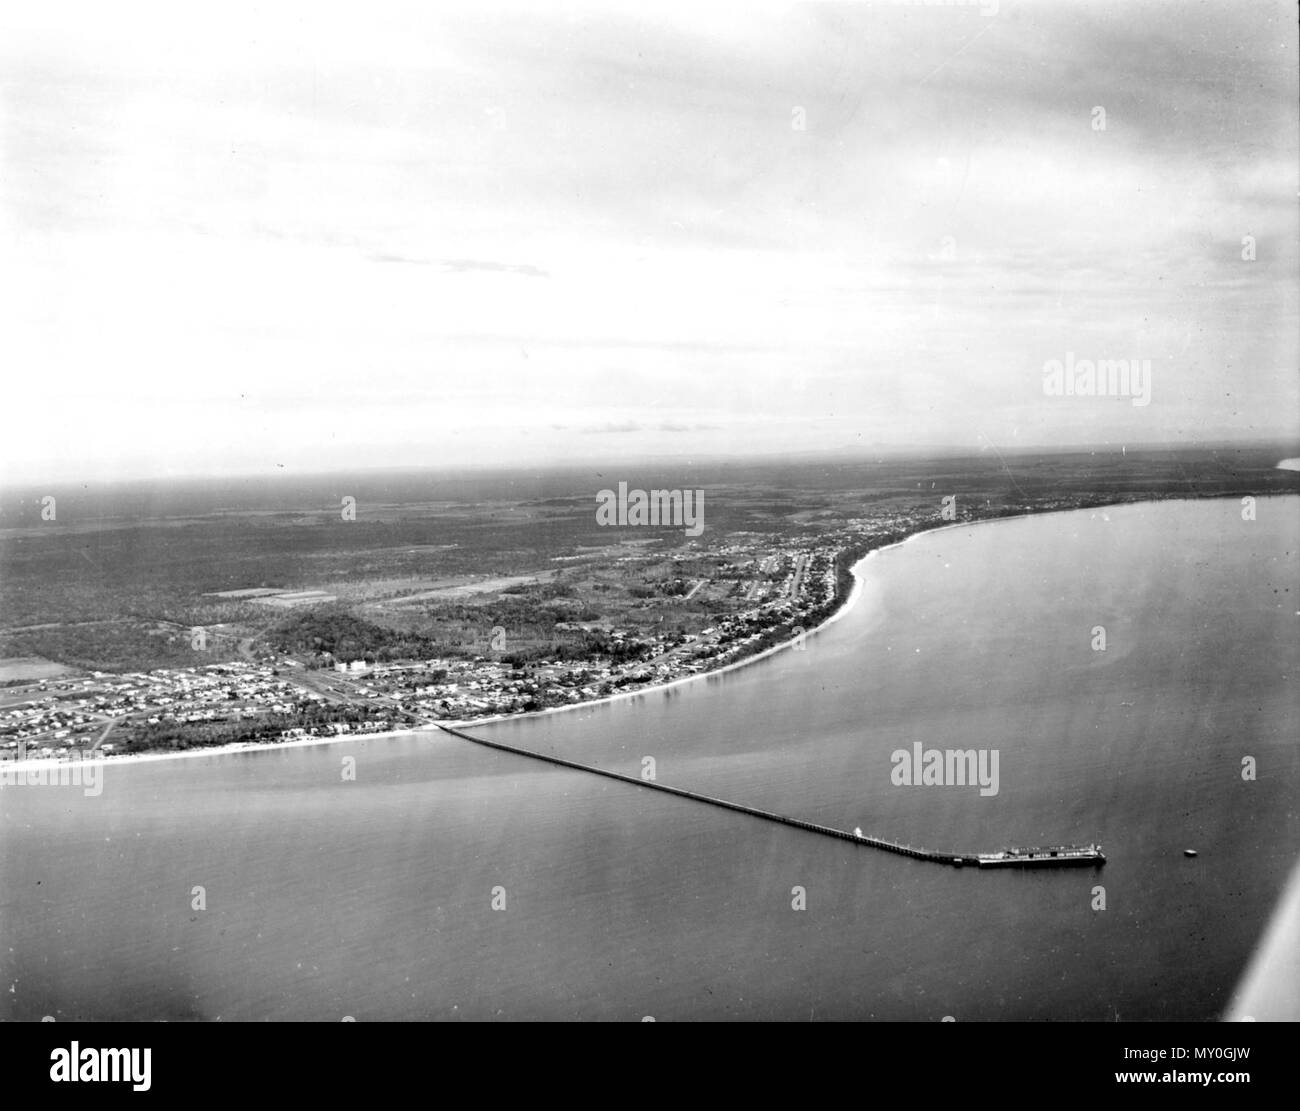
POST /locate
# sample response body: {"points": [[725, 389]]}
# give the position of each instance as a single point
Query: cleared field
{"points": [[31, 667], [274, 597], [252, 592], [469, 588], [288, 598]]}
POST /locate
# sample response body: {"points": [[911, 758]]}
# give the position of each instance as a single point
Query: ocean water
{"points": [[374, 899]]}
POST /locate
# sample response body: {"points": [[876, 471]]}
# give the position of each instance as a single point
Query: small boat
{"points": [[1189, 852]]}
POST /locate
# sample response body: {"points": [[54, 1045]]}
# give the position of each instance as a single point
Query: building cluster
{"points": [[70, 714]]}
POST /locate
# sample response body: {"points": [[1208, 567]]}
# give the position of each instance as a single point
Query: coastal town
{"points": [[279, 696], [780, 594], [98, 713]]}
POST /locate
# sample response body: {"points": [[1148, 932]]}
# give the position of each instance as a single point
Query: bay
{"points": [[374, 899]]}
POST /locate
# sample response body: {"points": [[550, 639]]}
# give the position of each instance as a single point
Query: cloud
{"points": [[194, 210], [625, 427], [463, 265]]}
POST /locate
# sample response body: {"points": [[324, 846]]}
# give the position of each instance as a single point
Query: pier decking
{"points": [[1053, 856]]}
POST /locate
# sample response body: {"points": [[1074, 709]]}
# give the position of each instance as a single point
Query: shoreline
{"points": [[16, 766], [786, 645]]}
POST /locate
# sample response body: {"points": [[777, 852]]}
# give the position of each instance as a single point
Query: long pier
{"points": [[1058, 856]]}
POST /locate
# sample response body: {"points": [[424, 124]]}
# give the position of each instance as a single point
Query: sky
{"points": [[320, 237]]}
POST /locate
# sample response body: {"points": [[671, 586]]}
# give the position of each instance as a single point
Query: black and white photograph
{"points": [[601, 512]]}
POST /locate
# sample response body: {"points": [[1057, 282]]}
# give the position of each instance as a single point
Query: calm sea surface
{"points": [[374, 898]]}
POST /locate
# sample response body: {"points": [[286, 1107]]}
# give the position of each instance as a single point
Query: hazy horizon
{"points": [[438, 235], [629, 464]]}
